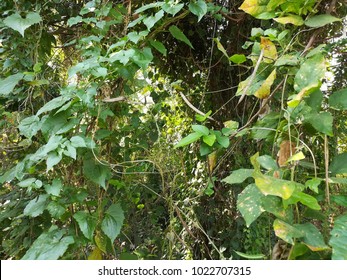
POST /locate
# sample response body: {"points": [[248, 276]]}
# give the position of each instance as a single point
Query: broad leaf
{"points": [[325, 123], [198, 8], [189, 139], [172, 8], [238, 58], [339, 164], [16, 22], [286, 231], [86, 223], [53, 104], [320, 20], [313, 184], [338, 100], [113, 221], [249, 204], [49, 245], [151, 20], [55, 209], [77, 142], [338, 238], [254, 7], [159, 47], [264, 90], [7, 85], [287, 59], [54, 188], [201, 129], [270, 51], [209, 139], [179, 35], [292, 19], [36, 206], [274, 205], [53, 158], [238, 176], [267, 162], [313, 238], [304, 199], [95, 172], [30, 126]]}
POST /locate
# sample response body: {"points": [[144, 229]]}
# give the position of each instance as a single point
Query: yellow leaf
{"points": [[95, 255], [253, 7], [270, 52], [292, 19], [264, 90], [212, 161]]}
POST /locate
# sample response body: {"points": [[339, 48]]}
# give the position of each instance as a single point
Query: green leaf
{"points": [[30, 126], [198, 8], [113, 221], [338, 100], [274, 205], [123, 56], [172, 8], [238, 176], [78, 142], [303, 198], [36, 206], [223, 141], [287, 59], [201, 129], [55, 209], [340, 200], [189, 139], [313, 184], [151, 20], [53, 104], [179, 35], [148, 6], [338, 238], [313, 238], [136, 36], [220, 47], [16, 22], [159, 47], [309, 76], [320, 20], [143, 57], [7, 85], [286, 231], [55, 187], [87, 223], [254, 7], [339, 164], [297, 250], [205, 149], [249, 203], [53, 158], [325, 123], [209, 139], [267, 162], [238, 58], [95, 172], [50, 245], [251, 257]]}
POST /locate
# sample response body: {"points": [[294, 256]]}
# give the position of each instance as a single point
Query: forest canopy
{"points": [[173, 129]]}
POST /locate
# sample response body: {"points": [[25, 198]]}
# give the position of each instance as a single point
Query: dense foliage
{"points": [[173, 129]]}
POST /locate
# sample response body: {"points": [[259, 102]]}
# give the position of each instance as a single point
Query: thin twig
{"points": [[193, 107]]}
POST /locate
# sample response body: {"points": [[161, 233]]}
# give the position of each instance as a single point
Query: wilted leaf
{"points": [[264, 90], [249, 204], [292, 19], [270, 51]]}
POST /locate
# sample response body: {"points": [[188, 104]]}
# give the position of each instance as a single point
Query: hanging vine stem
{"points": [[326, 159]]}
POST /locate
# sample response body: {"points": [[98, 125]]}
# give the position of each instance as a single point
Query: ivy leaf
{"points": [[249, 203], [286, 231], [86, 222], [36, 206], [49, 245], [339, 164], [16, 22], [198, 8], [292, 19], [7, 85], [320, 20], [238, 176], [338, 100], [338, 238], [189, 139], [179, 35], [113, 221]]}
